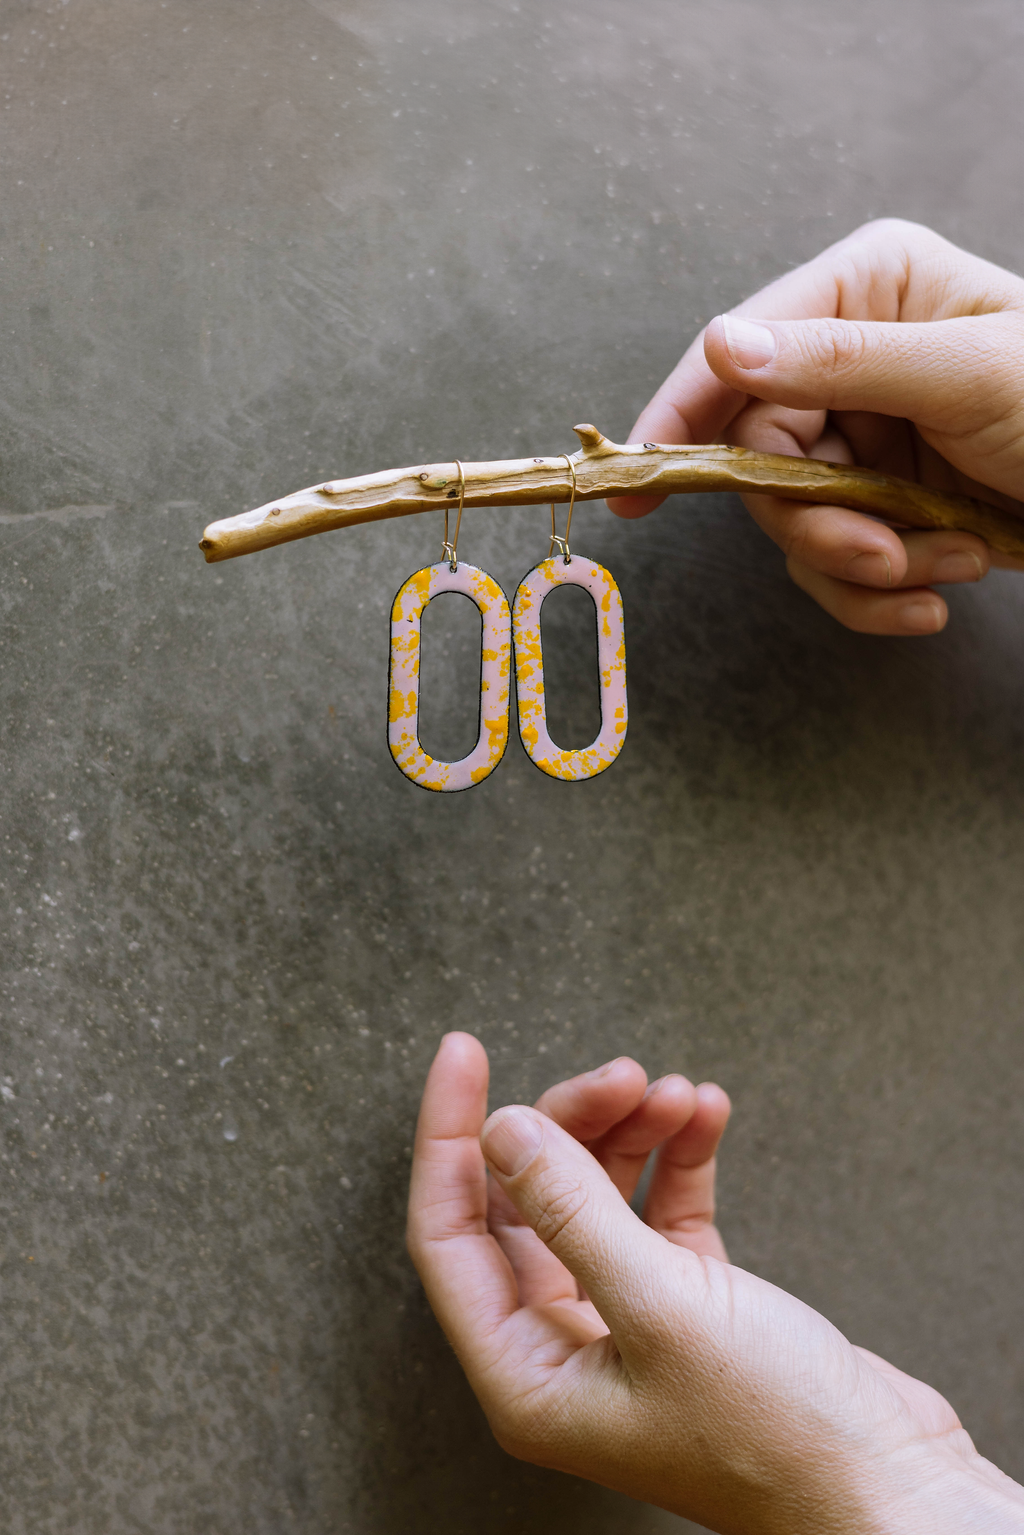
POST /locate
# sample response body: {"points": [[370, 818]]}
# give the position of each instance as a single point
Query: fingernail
{"points": [[602, 1071], [921, 617], [750, 346], [961, 565], [869, 569], [510, 1140], [655, 1087]]}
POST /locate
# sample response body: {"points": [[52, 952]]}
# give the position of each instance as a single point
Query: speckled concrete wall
{"points": [[248, 245]]}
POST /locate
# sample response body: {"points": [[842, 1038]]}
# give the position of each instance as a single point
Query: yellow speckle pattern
{"points": [[611, 661], [404, 681]]}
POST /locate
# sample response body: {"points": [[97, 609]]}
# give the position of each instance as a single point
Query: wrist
{"points": [[946, 1489]]}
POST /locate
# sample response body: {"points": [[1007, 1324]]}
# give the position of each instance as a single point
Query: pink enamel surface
{"points": [[404, 682], [611, 662]]}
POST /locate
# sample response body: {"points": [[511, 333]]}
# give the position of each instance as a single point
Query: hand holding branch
{"points": [[893, 351]]}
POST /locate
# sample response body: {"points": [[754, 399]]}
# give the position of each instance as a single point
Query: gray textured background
{"points": [[248, 245]]}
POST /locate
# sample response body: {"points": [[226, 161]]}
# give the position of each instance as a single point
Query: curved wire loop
{"points": [[559, 543], [450, 551]]}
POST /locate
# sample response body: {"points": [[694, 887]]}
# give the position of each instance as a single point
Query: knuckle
{"points": [[839, 347], [888, 245], [795, 537], [561, 1207], [886, 229], [807, 535], [696, 1220]]}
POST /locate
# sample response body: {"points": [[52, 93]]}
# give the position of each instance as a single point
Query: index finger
{"points": [[692, 406], [468, 1280]]}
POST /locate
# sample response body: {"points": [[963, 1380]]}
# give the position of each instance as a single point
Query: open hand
{"points": [[631, 1352], [893, 350]]}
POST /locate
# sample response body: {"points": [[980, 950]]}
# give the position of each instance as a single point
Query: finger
{"points": [[680, 1202], [832, 540], [588, 1105], [950, 376], [888, 270], [836, 542], [692, 405], [541, 1280], [585, 1106], [571, 1203], [467, 1279], [904, 613], [861, 277], [951, 559], [663, 1111]]}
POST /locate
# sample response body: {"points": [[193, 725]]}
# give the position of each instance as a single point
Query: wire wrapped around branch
{"points": [[604, 468]]}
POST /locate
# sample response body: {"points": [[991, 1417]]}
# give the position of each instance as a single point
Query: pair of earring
{"points": [[503, 631]]}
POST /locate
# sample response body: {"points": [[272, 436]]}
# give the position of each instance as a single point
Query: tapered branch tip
{"points": [[589, 436]]}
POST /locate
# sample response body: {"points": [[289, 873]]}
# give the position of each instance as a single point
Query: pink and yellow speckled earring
{"points": [[449, 575], [568, 569]]}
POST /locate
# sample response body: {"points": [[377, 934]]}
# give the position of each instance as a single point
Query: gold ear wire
{"points": [[450, 552], [557, 542]]}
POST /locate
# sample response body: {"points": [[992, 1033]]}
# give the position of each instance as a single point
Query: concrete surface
{"points": [[247, 245]]}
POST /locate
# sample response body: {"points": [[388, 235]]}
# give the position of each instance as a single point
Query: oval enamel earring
{"points": [[568, 569], [449, 575]]}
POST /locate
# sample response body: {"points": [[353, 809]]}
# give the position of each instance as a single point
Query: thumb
{"points": [[567, 1197], [928, 372]]}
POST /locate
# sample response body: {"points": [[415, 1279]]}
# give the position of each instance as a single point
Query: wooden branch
{"points": [[603, 469]]}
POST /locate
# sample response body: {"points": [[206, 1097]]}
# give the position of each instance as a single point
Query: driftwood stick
{"points": [[605, 468]]}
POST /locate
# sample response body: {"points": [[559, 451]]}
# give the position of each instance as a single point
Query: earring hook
{"points": [[451, 547], [562, 544]]}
